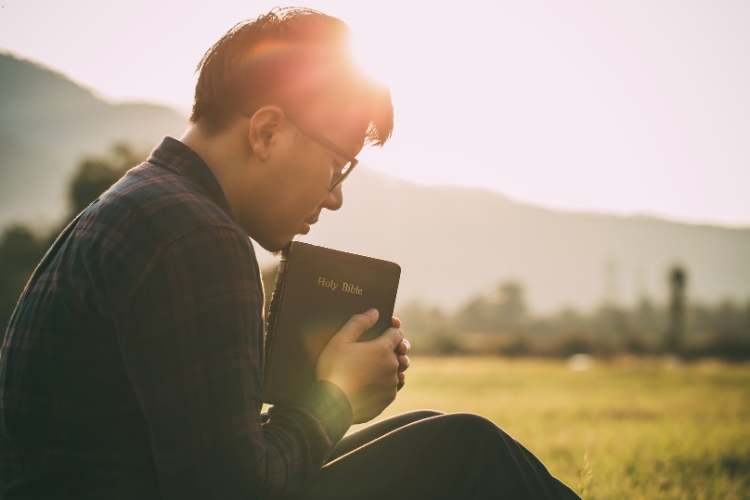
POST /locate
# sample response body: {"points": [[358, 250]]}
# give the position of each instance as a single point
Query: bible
{"points": [[317, 290]]}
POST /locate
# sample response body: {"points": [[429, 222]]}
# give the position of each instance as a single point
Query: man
{"points": [[132, 364]]}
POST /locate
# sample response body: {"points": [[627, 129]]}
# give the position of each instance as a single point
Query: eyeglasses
{"points": [[326, 142]]}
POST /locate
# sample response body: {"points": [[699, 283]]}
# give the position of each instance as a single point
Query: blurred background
{"points": [[566, 192]]}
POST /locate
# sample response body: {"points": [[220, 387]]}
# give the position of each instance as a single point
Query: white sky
{"points": [[622, 107]]}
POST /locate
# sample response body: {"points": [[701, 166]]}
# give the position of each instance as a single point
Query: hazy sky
{"points": [[624, 107]]}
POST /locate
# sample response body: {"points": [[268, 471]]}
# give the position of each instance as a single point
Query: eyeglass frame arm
{"points": [[325, 141]]}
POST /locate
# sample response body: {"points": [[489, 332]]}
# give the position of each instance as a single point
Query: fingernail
{"points": [[372, 312]]}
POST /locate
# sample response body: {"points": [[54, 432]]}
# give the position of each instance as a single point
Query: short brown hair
{"points": [[287, 57]]}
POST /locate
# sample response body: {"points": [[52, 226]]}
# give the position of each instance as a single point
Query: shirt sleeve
{"points": [[191, 338]]}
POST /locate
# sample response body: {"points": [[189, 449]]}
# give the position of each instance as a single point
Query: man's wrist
{"points": [[331, 406]]}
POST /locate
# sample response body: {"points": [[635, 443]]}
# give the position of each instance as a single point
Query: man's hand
{"points": [[370, 373], [403, 360]]}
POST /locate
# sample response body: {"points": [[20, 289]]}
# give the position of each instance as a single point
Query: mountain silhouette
{"points": [[47, 123], [450, 242]]}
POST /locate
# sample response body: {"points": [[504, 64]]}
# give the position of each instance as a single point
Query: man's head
{"points": [[266, 93]]}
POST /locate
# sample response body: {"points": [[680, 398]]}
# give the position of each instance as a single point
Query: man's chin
{"points": [[276, 243], [276, 246], [274, 249]]}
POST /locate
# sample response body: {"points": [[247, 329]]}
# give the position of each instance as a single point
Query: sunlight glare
{"points": [[372, 61]]}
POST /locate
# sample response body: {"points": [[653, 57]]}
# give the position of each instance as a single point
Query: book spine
{"points": [[273, 310]]}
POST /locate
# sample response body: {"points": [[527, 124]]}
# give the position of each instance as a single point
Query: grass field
{"points": [[636, 430]]}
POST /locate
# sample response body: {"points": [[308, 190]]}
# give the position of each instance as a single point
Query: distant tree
{"points": [[728, 318], [610, 319], [509, 307], [645, 317], [422, 319], [473, 316], [675, 337], [568, 319], [503, 311]]}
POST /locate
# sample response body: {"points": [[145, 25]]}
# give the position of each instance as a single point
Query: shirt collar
{"points": [[178, 157]]}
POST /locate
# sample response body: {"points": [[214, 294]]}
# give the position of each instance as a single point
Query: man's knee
{"points": [[468, 431], [469, 423]]}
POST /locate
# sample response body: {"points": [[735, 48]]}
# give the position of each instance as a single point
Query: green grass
{"points": [[616, 431]]}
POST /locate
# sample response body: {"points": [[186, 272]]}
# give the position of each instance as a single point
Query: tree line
{"points": [[501, 323]]}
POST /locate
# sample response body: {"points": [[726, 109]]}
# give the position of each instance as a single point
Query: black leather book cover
{"points": [[317, 290]]}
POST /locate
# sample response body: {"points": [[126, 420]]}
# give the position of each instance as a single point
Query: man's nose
{"points": [[335, 199]]}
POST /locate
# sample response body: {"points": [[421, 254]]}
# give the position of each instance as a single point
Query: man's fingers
{"points": [[395, 322], [403, 363], [357, 325], [404, 347], [393, 337]]}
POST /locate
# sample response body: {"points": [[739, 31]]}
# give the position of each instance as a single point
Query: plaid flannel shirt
{"points": [[132, 364]]}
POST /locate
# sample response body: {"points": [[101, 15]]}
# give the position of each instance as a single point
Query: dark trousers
{"points": [[430, 455]]}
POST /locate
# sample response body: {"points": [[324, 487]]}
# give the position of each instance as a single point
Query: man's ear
{"points": [[265, 125]]}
